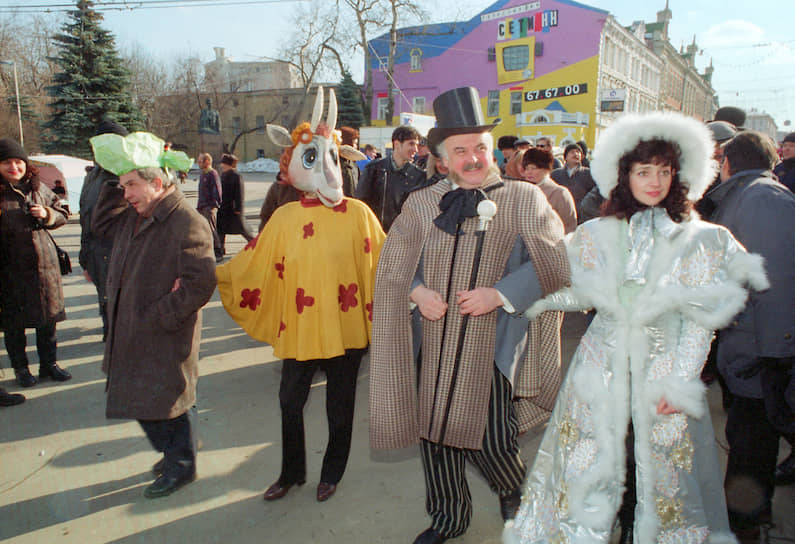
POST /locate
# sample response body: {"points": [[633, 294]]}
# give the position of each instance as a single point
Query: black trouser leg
{"points": [[15, 341], [448, 500], [626, 514], [293, 392], [175, 438], [499, 460], [341, 374], [750, 470], [47, 344]]}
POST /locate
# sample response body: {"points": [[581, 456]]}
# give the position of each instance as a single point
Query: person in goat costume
{"points": [[661, 281], [305, 286]]}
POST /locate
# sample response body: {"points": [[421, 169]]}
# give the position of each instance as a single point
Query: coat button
{"points": [[787, 336], [734, 323]]}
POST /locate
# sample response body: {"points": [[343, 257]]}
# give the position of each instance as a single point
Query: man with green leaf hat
{"points": [[161, 272]]}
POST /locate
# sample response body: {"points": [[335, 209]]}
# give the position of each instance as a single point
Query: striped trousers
{"points": [[448, 500]]}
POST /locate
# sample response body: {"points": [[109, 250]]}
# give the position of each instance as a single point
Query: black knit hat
{"points": [[789, 137], [106, 126], [9, 149]]}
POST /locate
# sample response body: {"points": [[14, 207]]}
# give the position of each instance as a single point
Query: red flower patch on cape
{"points": [[347, 297], [282, 326], [342, 207], [368, 245], [302, 301], [250, 298], [280, 269], [309, 230], [369, 308], [252, 243]]}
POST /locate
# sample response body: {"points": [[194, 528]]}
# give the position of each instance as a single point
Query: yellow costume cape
{"points": [[305, 284]]}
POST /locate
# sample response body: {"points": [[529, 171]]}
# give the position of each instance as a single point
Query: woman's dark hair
{"points": [[540, 158], [621, 202]]}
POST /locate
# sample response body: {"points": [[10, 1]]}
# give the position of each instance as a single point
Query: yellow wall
{"points": [[585, 71]]}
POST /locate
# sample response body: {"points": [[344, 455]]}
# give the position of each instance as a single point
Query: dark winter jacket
{"points": [[209, 190], [785, 171], [350, 176], [31, 292], [579, 183], [278, 195], [760, 213], [152, 350], [230, 213], [384, 188], [94, 251]]}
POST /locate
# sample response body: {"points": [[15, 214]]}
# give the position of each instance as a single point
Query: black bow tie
{"points": [[456, 206]]}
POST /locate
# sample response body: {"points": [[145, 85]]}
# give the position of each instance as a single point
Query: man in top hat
{"points": [[468, 373]]}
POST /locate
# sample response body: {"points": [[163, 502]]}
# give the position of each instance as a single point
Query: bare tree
{"points": [[399, 9], [309, 48]]}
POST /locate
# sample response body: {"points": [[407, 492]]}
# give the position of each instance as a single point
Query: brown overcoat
{"points": [[30, 276], [152, 350], [401, 408]]}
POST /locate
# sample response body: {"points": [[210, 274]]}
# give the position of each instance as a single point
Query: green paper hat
{"points": [[122, 154]]}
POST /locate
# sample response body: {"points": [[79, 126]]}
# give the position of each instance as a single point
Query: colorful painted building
{"points": [[554, 68]]}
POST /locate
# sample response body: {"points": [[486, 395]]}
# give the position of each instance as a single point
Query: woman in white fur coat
{"points": [[661, 281]]}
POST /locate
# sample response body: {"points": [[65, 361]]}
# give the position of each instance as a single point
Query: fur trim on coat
{"points": [[693, 138]]}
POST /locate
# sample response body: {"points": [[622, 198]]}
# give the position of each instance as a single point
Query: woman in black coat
{"points": [[32, 293], [231, 219]]}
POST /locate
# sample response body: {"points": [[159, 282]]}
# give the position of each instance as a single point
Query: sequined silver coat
{"points": [[660, 289]]}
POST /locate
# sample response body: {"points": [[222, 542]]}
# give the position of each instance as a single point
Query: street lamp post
{"points": [[19, 109]]}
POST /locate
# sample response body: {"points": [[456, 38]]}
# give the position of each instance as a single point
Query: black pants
{"points": [[626, 514], [447, 497], [341, 373], [750, 471], [46, 344], [176, 439]]}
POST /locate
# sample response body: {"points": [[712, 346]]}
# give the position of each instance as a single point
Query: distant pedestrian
{"points": [[785, 170], [350, 170], [210, 194], [231, 212], [574, 176]]}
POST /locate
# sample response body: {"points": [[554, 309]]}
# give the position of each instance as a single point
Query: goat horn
{"points": [[317, 112], [331, 118]]}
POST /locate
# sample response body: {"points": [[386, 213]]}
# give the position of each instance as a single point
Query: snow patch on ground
{"points": [[259, 165]]}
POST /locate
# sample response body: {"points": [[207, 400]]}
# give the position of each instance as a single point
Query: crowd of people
{"points": [[455, 265]]}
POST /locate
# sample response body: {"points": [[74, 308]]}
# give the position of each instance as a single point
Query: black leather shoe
{"points": [[785, 472], [509, 504], [277, 490], [429, 536], [325, 491], [165, 485], [54, 372], [25, 378], [159, 467], [10, 399]]}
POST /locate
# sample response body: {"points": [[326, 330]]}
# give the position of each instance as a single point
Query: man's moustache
{"points": [[473, 166]]}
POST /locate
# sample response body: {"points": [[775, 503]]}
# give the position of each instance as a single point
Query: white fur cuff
{"points": [[685, 395]]}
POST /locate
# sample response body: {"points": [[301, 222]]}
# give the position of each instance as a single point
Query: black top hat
{"points": [[457, 112]]}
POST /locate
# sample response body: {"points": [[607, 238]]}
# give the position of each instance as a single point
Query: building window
{"points": [[515, 57], [416, 60], [260, 124], [492, 54], [285, 100], [286, 120], [419, 104], [382, 103], [236, 125], [260, 153], [516, 102], [493, 104]]}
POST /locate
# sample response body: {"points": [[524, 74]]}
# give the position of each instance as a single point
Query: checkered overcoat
{"points": [[401, 407]]}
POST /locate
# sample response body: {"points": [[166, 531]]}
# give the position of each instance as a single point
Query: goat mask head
{"points": [[311, 161]]}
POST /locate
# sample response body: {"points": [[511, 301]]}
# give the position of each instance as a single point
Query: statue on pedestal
{"points": [[209, 120]]}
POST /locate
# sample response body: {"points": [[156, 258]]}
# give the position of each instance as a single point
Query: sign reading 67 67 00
{"points": [[556, 92]]}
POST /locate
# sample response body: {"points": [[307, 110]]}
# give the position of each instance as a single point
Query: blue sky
{"points": [[751, 44]]}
